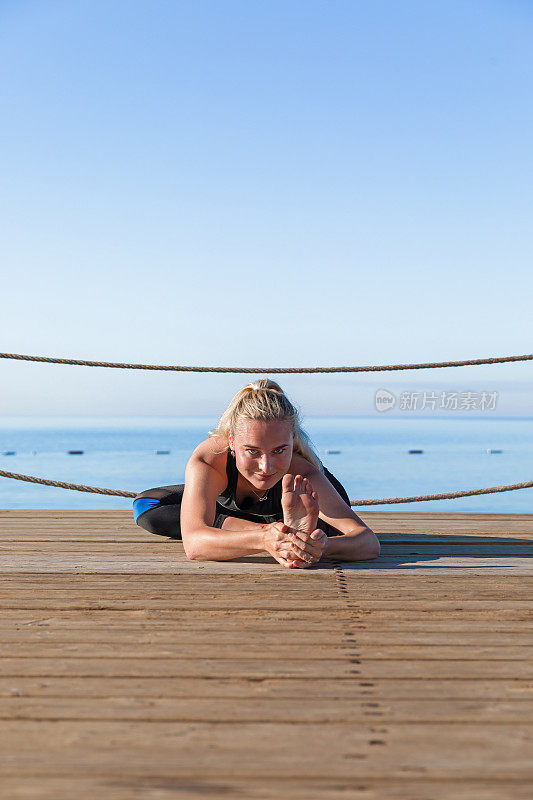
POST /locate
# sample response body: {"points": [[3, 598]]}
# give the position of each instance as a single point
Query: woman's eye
{"points": [[278, 450]]}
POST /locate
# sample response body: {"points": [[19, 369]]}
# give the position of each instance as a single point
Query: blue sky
{"points": [[282, 183]]}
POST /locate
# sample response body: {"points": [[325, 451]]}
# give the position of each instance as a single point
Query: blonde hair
{"points": [[266, 401]]}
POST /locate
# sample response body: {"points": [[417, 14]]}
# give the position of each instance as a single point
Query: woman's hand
{"points": [[308, 547], [276, 541], [291, 548]]}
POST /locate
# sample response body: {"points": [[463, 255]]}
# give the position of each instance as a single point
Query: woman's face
{"points": [[263, 451]]}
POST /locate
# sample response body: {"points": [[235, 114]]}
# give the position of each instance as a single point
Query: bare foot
{"points": [[299, 503]]}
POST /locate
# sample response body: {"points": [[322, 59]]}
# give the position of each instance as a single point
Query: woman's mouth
{"points": [[265, 477]]}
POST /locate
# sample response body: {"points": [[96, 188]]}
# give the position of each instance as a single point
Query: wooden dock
{"points": [[128, 671]]}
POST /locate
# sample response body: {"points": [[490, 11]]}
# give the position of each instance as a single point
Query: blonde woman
{"points": [[256, 484]]}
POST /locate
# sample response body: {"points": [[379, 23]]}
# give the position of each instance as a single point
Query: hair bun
{"points": [[263, 385]]}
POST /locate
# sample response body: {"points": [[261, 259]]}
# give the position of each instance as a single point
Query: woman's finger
{"points": [[301, 539], [290, 554], [304, 555], [298, 536], [292, 562], [306, 545], [297, 564]]}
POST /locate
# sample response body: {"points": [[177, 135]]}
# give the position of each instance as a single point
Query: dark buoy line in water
{"points": [[490, 451], [82, 452]]}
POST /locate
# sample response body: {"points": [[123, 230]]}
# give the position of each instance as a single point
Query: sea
{"points": [[369, 455]]}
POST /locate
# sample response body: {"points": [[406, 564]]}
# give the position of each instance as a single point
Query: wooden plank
{"points": [[250, 669], [164, 547], [286, 578], [96, 634], [239, 601], [121, 564], [367, 595], [336, 689], [255, 750], [413, 785], [297, 651], [505, 619], [450, 711]]}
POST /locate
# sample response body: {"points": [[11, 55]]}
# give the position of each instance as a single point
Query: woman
{"points": [[256, 484]]}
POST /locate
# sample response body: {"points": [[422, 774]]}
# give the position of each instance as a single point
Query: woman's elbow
{"points": [[374, 551], [371, 548], [192, 547], [192, 555]]}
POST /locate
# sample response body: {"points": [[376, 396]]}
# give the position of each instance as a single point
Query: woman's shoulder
{"points": [[301, 466], [212, 451]]}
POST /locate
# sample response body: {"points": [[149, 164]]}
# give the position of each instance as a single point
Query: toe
{"points": [[287, 484]]}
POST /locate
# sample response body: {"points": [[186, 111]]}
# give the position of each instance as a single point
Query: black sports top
{"points": [[255, 510], [250, 507]]}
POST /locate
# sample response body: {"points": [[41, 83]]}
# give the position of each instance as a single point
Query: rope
{"points": [[444, 496], [374, 502], [272, 370], [77, 487]]}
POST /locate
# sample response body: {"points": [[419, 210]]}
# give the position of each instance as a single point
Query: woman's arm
{"points": [[358, 542], [203, 484], [359, 545]]}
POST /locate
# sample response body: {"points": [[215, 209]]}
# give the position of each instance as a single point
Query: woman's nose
{"points": [[264, 464]]}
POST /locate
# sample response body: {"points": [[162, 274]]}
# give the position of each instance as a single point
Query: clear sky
{"points": [[291, 183]]}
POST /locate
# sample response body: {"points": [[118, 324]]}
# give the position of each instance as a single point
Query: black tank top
{"points": [[268, 510]]}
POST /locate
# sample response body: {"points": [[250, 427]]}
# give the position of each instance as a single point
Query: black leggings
{"points": [[158, 511]]}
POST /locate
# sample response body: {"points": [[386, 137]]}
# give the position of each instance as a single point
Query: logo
{"points": [[384, 400]]}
